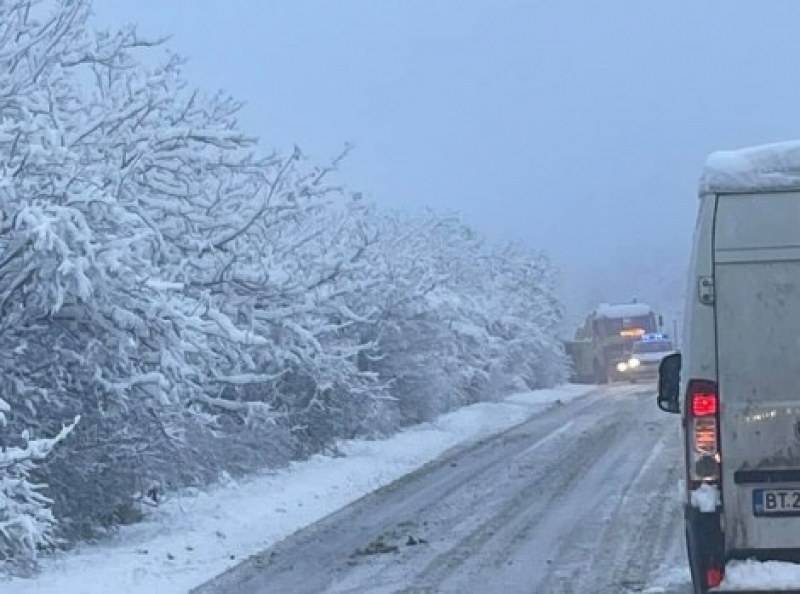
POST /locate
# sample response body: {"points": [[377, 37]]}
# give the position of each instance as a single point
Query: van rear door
{"points": [[757, 289]]}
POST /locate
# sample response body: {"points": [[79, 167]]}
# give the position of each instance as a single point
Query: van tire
{"points": [[704, 546]]}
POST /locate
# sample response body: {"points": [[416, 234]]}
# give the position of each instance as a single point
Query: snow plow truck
{"points": [[606, 338]]}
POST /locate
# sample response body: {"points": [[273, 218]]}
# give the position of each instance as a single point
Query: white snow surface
{"points": [[766, 576], [769, 166], [625, 310], [197, 535], [668, 578], [706, 498]]}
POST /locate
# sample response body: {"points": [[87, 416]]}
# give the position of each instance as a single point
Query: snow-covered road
{"points": [[582, 498]]}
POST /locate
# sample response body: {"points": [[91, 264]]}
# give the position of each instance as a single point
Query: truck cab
{"points": [[605, 339], [736, 383]]}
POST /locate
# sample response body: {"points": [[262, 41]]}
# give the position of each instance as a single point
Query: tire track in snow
{"points": [[587, 552], [645, 524], [489, 544], [571, 501]]}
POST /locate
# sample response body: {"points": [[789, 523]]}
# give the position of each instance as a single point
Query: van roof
{"points": [[765, 167]]}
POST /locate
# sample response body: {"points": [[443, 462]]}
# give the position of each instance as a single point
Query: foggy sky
{"points": [[578, 127]]}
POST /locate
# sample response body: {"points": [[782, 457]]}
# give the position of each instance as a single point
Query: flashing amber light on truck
{"points": [[632, 332]]}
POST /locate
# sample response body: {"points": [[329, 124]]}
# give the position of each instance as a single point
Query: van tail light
{"points": [[702, 399], [713, 576]]}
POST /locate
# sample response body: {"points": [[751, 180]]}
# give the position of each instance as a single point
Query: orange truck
{"points": [[605, 341]]}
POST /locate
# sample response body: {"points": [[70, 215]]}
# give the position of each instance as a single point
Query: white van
{"points": [[736, 382]]}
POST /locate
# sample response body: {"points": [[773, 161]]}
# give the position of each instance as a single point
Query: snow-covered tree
{"points": [[26, 520], [204, 308], [156, 277], [458, 321]]}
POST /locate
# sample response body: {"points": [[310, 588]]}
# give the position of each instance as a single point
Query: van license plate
{"points": [[776, 502]]}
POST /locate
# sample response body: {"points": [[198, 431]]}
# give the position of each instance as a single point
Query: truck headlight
{"points": [[622, 367], [634, 363]]}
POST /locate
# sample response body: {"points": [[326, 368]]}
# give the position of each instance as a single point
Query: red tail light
{"points": [[703, 431], [713, 577], [704, 404], [703, 398]]}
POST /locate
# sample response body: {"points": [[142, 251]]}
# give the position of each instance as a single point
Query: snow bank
{"points": [[669, 579], [766, 576], [626, 310], [197, 536], [769, 166]]}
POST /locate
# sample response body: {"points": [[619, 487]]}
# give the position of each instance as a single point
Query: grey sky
{"points": [[574, 126]]}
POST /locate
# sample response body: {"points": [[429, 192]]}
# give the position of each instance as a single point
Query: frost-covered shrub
{"points": [[207, 310], [181, 295], [458, 321], [26, 520]]}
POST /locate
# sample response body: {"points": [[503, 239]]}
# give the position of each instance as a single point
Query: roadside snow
{"points": [[198, 535], [740, 576], [766, 576], [667, 578]]}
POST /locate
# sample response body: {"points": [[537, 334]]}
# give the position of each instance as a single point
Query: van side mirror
{"points": [[669, 383]]}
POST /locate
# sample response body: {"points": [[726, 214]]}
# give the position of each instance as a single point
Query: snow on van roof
{"points": [[764, 167], [627, 310]]}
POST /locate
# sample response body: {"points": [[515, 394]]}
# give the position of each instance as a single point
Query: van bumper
{"points": [[788, 555], [706, 544], [705, 541]]}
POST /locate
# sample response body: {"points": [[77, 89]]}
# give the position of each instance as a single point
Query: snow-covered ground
{"points": [[670, 580], [581, 498], [770, 576], [198, 535]]}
